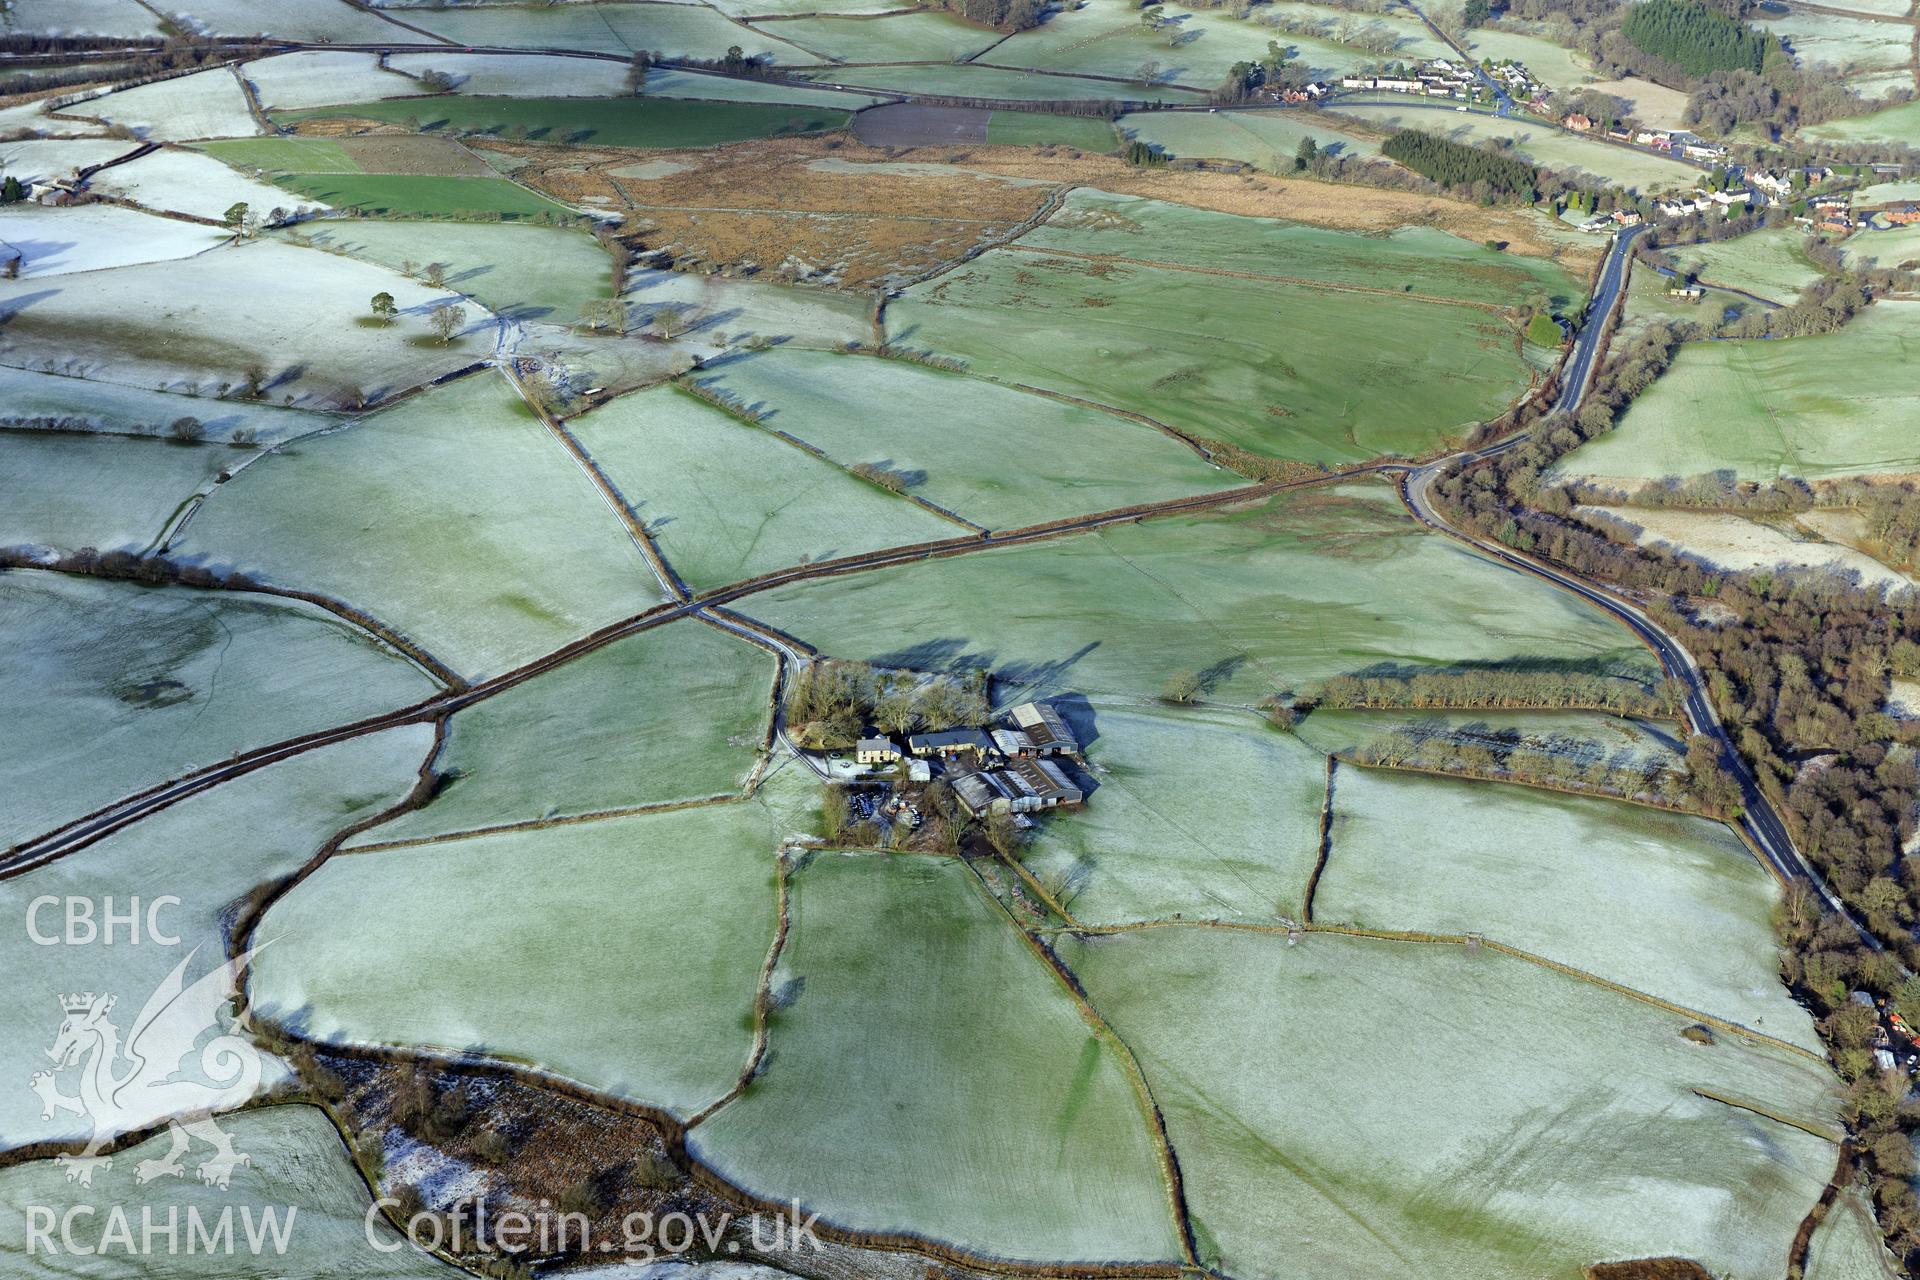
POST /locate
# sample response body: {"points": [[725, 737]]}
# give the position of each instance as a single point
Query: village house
{"points": [[1690, 293], [875, 751], [1579, 123], [1905, 216]]}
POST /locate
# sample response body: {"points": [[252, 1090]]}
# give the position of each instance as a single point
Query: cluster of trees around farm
{"points": [[831, 702], [1695, 38], [1454, 165], [946, 826], [1798, 669]]}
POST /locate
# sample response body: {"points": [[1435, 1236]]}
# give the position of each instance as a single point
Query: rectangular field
{"points": [[527, 272], [1265, 140], [206, 104], [1768, 263], [682, 31], [314, 78], [45, 400], [999, 457], [928, 36], [1040, 129], [407, 193], [1009, 84], [181, 181]]}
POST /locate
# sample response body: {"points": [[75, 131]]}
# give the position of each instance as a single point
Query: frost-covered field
{"points": [[114, 687], [320, 20], [954, 437], [124, 18], [35, 159], [667, 715], [670, 82], [723, 310], [56, 242], [181, 181], [203, 323], [529, 75], [300, 1171], [1348, 1107], [453, 517], [929, 1075], [1666, 904], [1200, 812], [206, 104], [47, 400], [319, 78], [650, 929], [726, 501], [1733, 542], [207, 851], [68, 490], [528, 272]]}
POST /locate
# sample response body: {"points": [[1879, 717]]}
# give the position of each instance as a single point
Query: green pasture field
{"points": [[431, 194], [1666, 904], [207, 852], [203, 324], [453, 517], [284, 155], [607, 122], [114, 687], [929, 36], [72, 490], [727, 501], [1899, 123], [1768, 263], [1292, 371], [1892, 247], [1000, 457], [115, 408], [527, 272], [1265, 140], [930, 1076], [1007, 83], [672, 714], [1422, 1109], [651, 928], [1199, 812], [665, 30], [1418, 260], [1265, 597], [1836, 404], [1041, 129], [300, 1172], [1887, 193], [1634, 168]]}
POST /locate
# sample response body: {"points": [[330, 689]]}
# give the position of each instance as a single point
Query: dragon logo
{"points": [[165, 1068]]}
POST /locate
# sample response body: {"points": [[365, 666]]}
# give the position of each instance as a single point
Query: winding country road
{"points": [[1759, 821]]}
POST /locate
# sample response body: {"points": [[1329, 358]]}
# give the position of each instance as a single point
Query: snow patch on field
{"points": [[42, 159], [1733, 542], [54, 242], [320, 78], [191, 182], [207, 104], [513, 75]]}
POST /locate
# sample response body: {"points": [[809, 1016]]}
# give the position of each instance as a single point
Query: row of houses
{"points": [[1435, 78], [1680, 142]]}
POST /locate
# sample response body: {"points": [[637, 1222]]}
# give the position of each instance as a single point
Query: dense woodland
{"points": [[1452, 164], [1797, 667], [1695, 38]]}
